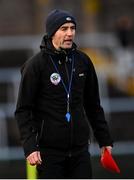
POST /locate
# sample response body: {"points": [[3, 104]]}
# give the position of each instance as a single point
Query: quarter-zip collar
{"points": [[48, 48]]}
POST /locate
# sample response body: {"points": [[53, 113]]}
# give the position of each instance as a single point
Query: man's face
{"points": [[63, 38]]}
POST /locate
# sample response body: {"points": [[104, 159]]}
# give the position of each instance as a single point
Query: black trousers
{"points": [[64, 167]]}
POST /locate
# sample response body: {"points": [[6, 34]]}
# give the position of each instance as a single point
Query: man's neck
{"points": [[55, 46]]}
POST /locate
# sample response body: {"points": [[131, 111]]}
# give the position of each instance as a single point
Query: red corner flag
{"points": [[108, 162]]}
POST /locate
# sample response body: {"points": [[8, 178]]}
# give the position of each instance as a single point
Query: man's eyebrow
{"points": [[66, 26]]}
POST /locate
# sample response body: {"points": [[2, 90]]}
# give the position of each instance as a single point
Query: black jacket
{"points": [[42, 105]]}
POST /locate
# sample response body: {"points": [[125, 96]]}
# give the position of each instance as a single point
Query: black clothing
{"points": [[65, 167], [42, 105], [57, 18]]}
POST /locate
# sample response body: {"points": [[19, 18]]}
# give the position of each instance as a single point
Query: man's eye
{"points": [[73, 28], [64, 29]]}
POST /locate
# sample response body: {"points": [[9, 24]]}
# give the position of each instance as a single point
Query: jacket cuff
{"points": [[109, 143], [30, 145]]}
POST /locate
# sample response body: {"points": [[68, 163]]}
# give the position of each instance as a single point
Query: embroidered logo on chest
{"points": [[82, 74], [55, 78]]}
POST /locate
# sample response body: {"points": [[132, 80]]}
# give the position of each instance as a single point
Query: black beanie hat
{"points": [[55, 19]]}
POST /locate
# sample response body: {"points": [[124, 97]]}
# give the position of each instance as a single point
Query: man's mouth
{"points": [[68, 41]]}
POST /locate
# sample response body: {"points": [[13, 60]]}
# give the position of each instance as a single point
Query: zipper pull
{"points": [[66, 58], [70, 154]]}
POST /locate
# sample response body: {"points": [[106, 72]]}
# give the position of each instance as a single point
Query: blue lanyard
{"points": [[68, 115]]}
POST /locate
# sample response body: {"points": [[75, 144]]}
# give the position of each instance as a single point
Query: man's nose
{"points": [[69, 32]]}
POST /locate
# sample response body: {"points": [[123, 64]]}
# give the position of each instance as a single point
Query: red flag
{"points": [[108, 162]]}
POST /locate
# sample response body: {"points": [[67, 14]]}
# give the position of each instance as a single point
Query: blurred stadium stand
{"points": [[20, 37]]}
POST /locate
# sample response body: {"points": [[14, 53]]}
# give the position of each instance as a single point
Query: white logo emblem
{"points": [[82, 74], [68, 19], [55, 78]]}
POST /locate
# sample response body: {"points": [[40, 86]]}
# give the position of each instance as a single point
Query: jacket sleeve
{"points": [[26, 104], [93, 108]]}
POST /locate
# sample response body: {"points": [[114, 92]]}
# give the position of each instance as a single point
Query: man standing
{"points": [[57, 102]]}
